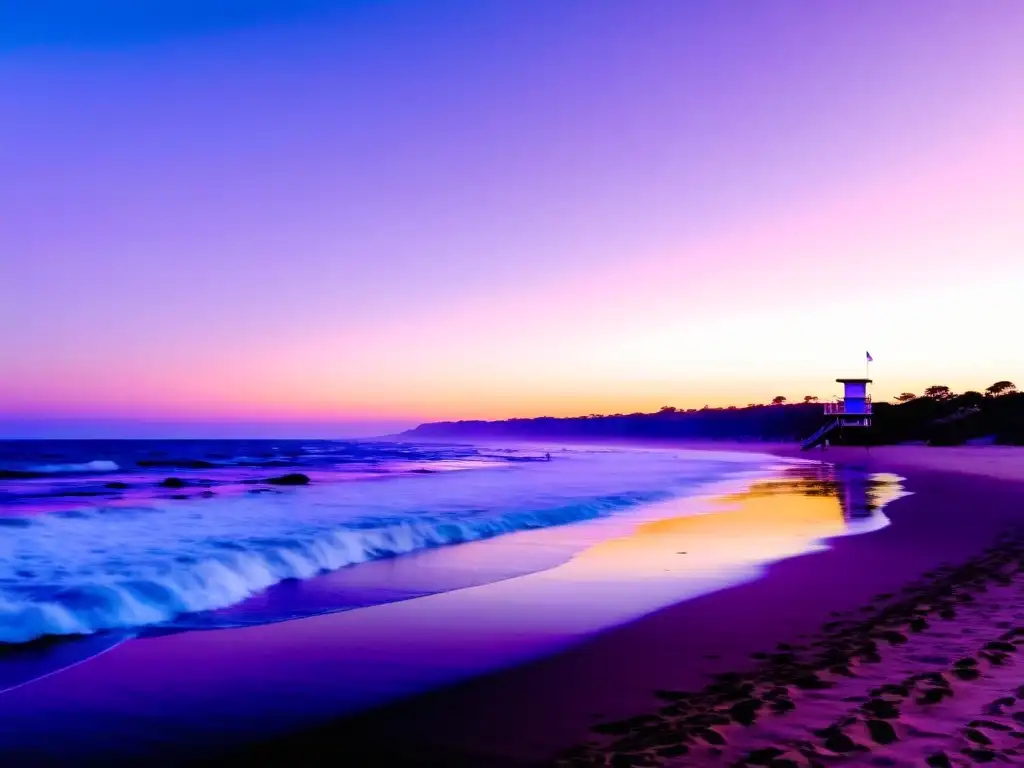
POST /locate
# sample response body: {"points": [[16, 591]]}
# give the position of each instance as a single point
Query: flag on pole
{"points": [[870, 358]]}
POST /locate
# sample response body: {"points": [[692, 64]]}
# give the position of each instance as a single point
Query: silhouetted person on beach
{"points": [[547, 457]]}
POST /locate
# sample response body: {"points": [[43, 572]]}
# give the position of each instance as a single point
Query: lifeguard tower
{"points": [[854, 410]]}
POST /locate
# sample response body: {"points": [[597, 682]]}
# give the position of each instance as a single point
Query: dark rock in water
{"points": [[782, 705], [711, 736], [966, 673], [116, 485], [999, 645], [935, 678], [980, 755], [622, 727], [745, 712], [673, 695], [612, 729], [173, 482], [894, 637], [296, 478], [207, 494], [990, 724], [17, 474], [938, 760], [675, 750], [734, 678], [918, 624], [1018, 716], [811, 682], [179, 496], [977, 736], [837, 741], [882, 708], [627, 761], [762, 756], [932, 696], [423, 471], [176, 463], [783, 762], [996, 707], [882, 732], [947, 613], [708, 718], [966, 663]]}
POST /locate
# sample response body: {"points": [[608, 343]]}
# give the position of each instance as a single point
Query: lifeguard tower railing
{"points": [[839, 408]]}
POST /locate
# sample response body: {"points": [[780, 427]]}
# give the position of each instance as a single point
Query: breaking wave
{"points": [[104, 567], [88, 466], [239, 570]]}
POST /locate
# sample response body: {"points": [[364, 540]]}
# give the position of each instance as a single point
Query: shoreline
{"points": [[191, 692], [527, 714], [540, 703]]}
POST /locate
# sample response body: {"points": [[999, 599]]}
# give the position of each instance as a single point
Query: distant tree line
{"points": [[937, 416]]}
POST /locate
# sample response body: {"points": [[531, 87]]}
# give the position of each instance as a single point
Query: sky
{"points": [[248, 217]]}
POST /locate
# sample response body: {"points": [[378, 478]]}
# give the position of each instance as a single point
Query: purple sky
{"points": [[327, 213]]}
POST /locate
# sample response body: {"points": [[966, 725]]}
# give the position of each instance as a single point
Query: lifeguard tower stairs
{"points": [[854, 410]]}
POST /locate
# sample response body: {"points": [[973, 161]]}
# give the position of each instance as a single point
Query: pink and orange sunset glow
{"points": [[357, 216]]}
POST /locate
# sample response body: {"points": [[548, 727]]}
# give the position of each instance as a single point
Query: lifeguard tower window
{"points": [[854, 410]]}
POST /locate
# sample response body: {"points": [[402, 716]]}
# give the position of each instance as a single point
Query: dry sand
{"points": [[963, 499], [926, 677], [999, 462]]}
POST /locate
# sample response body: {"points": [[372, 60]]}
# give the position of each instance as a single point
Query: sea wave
{"points": [[88, 466], [146, 560], [153, 595]]}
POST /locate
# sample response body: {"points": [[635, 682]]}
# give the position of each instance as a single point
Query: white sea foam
{"points": [[89, 466], [108, 567]]}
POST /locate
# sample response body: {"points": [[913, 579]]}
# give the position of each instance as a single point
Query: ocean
{"points": [[157, 536], [160, 599]]}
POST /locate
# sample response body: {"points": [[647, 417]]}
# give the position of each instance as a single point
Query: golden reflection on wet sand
{"points": [[338, 663], [773, 519]]}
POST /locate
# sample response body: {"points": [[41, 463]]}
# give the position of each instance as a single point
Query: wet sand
{"points": [[193, 695], [173, 697], [530, 714]]}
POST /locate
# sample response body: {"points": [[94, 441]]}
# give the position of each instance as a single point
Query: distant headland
{"points": [[937, 416]]}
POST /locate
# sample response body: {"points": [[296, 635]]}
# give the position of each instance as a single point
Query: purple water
{"points": [[93, 540]]}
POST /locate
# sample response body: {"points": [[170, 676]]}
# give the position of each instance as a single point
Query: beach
{"points": [[426, 384], [584, 656], [962, 501]]}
